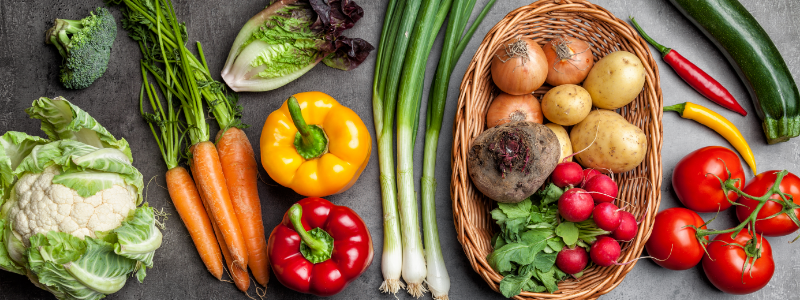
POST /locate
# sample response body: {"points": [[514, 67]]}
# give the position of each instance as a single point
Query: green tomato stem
{"points": [[730, 185]]}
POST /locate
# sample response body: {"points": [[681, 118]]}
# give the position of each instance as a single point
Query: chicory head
{"points": [[289, 38]]}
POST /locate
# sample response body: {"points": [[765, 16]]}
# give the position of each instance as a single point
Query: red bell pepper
{"points": [[319, 247]]}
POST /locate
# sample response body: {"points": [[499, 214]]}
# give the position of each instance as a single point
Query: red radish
{"points": [[602, 188], [597, 237], [607, 216], [575, 205], [588, 174], [567, 174], [605, 251], [627, 227], [572, 260]]}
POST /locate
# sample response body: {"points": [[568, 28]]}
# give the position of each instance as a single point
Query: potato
{"points": [[566, 104], [619, 147], [615, 80], [509, 162], [563, 139]]}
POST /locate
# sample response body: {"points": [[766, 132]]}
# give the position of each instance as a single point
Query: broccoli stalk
{"points": [[85, 46]]}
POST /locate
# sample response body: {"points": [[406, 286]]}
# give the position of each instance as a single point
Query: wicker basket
{"points": [[639, 188]]}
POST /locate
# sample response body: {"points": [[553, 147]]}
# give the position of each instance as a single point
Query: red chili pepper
{"points": [[694, 76], [319, 247]]}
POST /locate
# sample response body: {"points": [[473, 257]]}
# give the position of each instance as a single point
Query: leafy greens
{"points": [[530, 237]]}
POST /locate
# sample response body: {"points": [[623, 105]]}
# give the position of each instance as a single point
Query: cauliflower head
{"points": [[71, 212], [41, 207]]}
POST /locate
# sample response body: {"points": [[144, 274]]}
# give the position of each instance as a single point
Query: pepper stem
{"points": [[310, 141], [316, 245], [661, 48], [680, 107]]}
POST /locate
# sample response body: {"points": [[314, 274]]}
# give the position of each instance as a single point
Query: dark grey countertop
{"points": [[29, 69]]}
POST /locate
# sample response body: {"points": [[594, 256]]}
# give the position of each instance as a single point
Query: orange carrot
{"points": [[240, 169], [240, 276], [190, 207], [213, 189]]}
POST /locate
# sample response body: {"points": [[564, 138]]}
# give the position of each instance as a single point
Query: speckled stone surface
{"points": [[29, 69]]}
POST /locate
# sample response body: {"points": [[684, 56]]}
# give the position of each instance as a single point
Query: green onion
{"points": [[408, 102], [398, 83], [438, 279], [400, 17]]}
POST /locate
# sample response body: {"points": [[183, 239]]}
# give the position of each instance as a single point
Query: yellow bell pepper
{"points": [[719, 124], [325, 156]]}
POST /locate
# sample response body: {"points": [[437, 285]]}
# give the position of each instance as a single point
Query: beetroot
{"points": [[588, 174], [606, 216], [627, 228], [575, 205], [567, 174], [605, 251], [572, 260], [602, 188], [509, 162]]}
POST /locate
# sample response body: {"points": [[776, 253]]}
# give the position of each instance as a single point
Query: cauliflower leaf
{"points": [[78, 269], [62, 120], [138, 238], [6, 262], [14, 146], [84, 168]]}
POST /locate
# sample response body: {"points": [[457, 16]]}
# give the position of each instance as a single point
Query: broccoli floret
{"points": [[85, 45]]}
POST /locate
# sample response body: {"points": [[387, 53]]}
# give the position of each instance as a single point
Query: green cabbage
{"points": [[88, 159]]}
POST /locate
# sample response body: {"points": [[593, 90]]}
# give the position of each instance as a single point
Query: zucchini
{"points": [[756, 59]]}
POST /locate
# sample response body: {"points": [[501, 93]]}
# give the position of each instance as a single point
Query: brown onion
{"points": [[569, 60], [511, 108], [520, 67]]}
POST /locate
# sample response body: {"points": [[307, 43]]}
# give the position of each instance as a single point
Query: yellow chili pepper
{"points": [[719, 124], [325, 156]]}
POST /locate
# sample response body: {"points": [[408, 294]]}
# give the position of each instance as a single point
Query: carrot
{"points": [[240, 276], [190, 208], [213, 188], [179, 81], [240, 170], [165, 125]]}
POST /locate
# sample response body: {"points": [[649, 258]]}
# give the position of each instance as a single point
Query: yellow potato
{"points": [[619, 146], [615, 80], [563, 139], [566, 104]]}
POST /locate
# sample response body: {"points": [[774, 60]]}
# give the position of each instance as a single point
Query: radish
{"points": [[575, 205], [588, 174], [567, 174], [602, 188], [627, 228], [606, 216], [572, 260], [605, 251]]}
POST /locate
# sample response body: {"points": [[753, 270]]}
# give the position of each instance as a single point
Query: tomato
{"points": [[694, 182], [723, 264], [672, 245], [779, 225]]}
